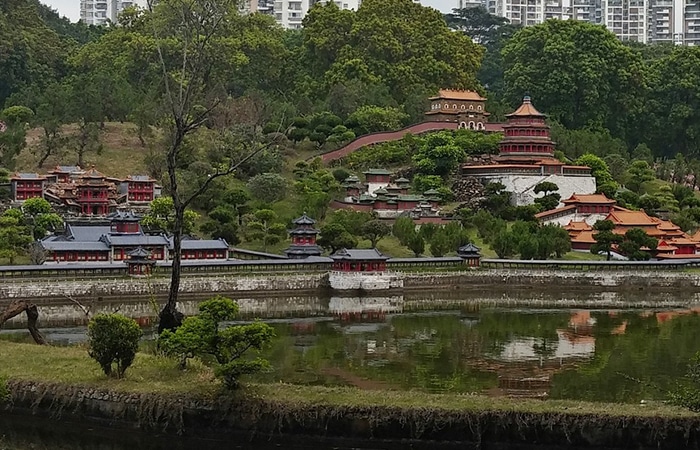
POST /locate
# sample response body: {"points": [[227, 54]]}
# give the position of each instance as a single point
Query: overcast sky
{"points": [[71, 8]]}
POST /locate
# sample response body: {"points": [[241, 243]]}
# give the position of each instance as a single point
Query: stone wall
{"points": [[522, 185]]}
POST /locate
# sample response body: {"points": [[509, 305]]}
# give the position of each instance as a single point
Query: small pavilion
{"points": [[471, 255], [361, 261], [303, 239], [139, 262]]}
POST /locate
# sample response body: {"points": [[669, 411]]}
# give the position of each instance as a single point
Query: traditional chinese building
{"points": [[65, 174], [471, 254], [364, 261], [466, 108], [112, 240], [580, 208], [140, 188], [303, 239], [526, 158], [139, 262], [24, 186]]}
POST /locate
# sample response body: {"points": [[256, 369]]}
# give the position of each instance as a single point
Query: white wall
{"points": [[522, 185]]}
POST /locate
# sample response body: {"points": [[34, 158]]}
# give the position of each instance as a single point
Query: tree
{"points": [[161, 216], [268, 187], [14, 237], [638, 173], [36, 206], [405, 46], [579, 73], [504, 244], [237, 199], [374, 230], [202, 336], [370, 119], [438, 155], [403, 229], [335, 237], [440, 243], [600, 170], [14, 138], [416, 244], [635, 241], [352, 221], [605, 238], [113, 339], [264, 226], [552, 240], [550, 199]]}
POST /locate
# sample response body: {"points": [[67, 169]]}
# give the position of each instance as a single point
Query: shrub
{"points": [[687, 394], [4, 391], [200, 336], [113, 339]]}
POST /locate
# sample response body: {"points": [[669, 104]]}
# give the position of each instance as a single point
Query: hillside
{"points": [[121, 154]]}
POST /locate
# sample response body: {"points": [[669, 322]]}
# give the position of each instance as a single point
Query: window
{"points": [[478, 108], [471, 107]]}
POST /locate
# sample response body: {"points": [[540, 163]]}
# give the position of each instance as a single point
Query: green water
{"points": [[597, 355]]}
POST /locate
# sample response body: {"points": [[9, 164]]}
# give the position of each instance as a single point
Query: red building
{"points": [[93, 193], [140, 188], [24, 186], [354, 260], [65, 174], [377, 176]]}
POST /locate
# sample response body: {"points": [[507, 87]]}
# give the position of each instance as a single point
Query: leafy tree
{"points": [[316, 189], [351, 221], [202, 336], [599, 169], [374, 230], [605, 238], [264, 226], [268, 187], [416, 244], [161, 216], [422, 183], [638, 173], [440, 243], [405, 46], [334, 237], [579, 73], [237, 199], [504, 244], [222, 224], [13, 139], [497, 198], [438, 155], [552, 240], [14, 237], [36, 206], [528, 247], [550, 199], [341, 174], [113, 339], [403, 229], [369, 119]]}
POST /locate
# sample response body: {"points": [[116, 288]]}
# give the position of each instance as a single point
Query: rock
{"points": [[470, 191]]}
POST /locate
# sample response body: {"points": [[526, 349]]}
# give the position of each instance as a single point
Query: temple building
{"points": [[303, 238], [526, 158], [113, 240], [354, 260], [588, 208], [84, 192], [389, 200], [466, 108], [24, 186]]}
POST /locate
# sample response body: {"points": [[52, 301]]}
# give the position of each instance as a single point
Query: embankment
{"points": [[314, 284], [268, 412]]}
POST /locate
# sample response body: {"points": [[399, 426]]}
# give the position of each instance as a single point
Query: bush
{"points": [[113, 339], [4, 391], [200, 336], [687, 395]]}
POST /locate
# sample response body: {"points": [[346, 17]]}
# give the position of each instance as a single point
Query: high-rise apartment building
{"points": [[99, 12], [290, 13], [647, 21], [674, 21]]}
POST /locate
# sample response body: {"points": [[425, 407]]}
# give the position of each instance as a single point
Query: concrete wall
{"points": [[367, 282], [522, 185]]}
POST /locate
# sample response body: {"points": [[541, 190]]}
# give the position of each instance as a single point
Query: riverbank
{"points": [[59, 291], [63, 383]]}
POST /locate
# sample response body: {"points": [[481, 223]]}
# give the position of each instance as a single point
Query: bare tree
{"points": [[194, 75]]}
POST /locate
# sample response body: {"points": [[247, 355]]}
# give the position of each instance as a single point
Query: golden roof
{"points": [[455, 94], [526, 110]]}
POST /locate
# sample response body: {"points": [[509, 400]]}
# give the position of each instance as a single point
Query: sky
{"points": [[71, 8]]}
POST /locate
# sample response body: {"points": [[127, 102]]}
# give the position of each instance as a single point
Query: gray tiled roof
{"points": [[73, 245], [364, 254], [140, 178], [135, 240], [87, 233], [204, 244], [28, 176]]}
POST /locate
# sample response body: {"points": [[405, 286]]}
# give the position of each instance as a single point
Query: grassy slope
{"points": [[122, 153], [71, 365]]}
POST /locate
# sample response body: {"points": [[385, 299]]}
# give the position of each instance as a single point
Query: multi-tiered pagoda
{"points": [[303, 239]]}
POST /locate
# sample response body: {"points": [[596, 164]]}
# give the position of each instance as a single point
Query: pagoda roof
{"points": [[402, 180], [92, 173], [66, 169], [584, 237], [631, 218], [27, 176], [359, 254], [352, 179], [665, 246], [430, 192], [468, 250], [458, 94], [555, 211], [304, 220], [578, 226], [381, 191], [377, 172], [589, 198], [139, 253], [526, 109]]}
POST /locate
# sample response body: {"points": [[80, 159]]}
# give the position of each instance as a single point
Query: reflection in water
{"points": [[374, 343]]}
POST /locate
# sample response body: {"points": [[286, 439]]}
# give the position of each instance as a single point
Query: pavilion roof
{"points": [[632, 218], [589, 198], [584, 237], [578, 226], [526, 109], [359, 255]]}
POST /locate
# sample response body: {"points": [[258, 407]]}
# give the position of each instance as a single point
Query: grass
{"points": [[72, 365], [121, 155], [154, 374]]}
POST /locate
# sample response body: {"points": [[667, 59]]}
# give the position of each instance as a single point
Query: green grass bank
{"points": [[62, 382]]}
